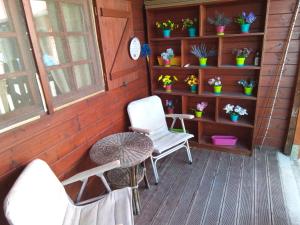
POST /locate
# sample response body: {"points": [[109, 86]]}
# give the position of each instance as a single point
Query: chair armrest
{"points": [[180, 116], [92, 172], [140, 130]]}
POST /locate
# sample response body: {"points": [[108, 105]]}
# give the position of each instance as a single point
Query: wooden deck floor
{"points": [[218, 188]]}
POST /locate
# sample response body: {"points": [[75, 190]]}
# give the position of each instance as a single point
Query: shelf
{"points": [[194, 67], [239, 148], [207, 94], [207, 37], [240, 123], [204, 119]]}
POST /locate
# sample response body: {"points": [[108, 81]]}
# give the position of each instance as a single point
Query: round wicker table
{"points": [[132, 149]]}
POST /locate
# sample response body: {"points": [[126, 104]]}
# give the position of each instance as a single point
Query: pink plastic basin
{"points": [[224, 140]]}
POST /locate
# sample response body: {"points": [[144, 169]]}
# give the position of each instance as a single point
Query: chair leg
{"points": [[188, 151], [153, 162]]}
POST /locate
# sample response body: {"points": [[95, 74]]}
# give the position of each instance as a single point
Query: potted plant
{"points": [[216, 82], [248, 86], [170, 106], [245, 21], [190, 25], [167, 27], [167, 56], [202, 53], [199, 109], [167, 81], [192, 81], [235, 112], [220, 21], [241, 55]]}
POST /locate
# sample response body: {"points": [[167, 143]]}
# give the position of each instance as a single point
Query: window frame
{"points": [[95, 62], [49, 103]]}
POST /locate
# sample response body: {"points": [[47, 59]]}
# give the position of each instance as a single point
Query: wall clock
{"points": [[135, 48]]}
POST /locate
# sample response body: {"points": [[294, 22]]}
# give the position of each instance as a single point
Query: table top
{"points": [[128, 147]]}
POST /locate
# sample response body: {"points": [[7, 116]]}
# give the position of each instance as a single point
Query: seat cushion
{"points": [[113, 209], [165, 140]]}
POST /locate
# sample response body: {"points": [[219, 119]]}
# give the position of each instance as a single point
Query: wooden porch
{"points": [[218, 188]]}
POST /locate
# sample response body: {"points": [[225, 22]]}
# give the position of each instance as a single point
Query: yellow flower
{"points": [[160, 77], [175, 78]]}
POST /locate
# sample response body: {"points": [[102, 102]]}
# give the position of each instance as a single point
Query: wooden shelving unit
{"points": [[214, 120]]}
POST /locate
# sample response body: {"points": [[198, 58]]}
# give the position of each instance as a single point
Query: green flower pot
{"points": [[193, 88], [198, 114], [203, 61], [240, 61], [217, 89], [248, 91]]}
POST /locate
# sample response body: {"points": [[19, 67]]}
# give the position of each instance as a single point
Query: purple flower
{"points": [[250, 18], [244, 14]]}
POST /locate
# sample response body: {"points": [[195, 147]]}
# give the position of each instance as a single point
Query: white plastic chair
{"points": [[147, 116], [38, 198]]}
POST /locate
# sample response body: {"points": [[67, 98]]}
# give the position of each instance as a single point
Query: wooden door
{"points": [[115, 26]]}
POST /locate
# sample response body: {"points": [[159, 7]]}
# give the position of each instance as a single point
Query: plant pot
{"points": [[175, 61], [245, 28], [220, 30], [166, 33], [248, 91], [198, 114], [170, 110], [217, 89], [167, 62], [203, 61], [193, 88], [192, 31], [240, 61], [234, 118], [168, 88]]}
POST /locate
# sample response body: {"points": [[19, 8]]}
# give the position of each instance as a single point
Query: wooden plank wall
{"points": [[280, 15], [64, 138]]}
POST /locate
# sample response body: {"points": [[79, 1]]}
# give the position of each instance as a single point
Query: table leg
{"points": [[145, 176], [135, 192]]}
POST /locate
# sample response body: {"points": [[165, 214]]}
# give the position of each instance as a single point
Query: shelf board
{"points": [[194, 67], [231, 95], [207, 37], [239, 148], [204, 119], [207, 94], [240, 123]]}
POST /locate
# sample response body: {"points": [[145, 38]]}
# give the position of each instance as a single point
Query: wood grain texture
{"points": [[64, 138]]}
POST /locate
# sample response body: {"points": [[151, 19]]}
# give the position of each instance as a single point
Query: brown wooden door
{"points": [[115, 24]]}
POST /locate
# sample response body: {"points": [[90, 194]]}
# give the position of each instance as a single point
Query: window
{"points": [[19, 93], [66, 62], [67, 41]]}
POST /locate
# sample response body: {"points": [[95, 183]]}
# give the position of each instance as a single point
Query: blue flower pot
{"points": [[234, 117], [166, 33], [192, 32], [245, 28], [194, 88]]}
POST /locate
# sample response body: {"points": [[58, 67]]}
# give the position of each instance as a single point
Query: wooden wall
{"points": [[64, 138], [279, 18]]}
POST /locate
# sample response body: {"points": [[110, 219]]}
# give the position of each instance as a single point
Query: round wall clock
{"points": [[135, 48]]}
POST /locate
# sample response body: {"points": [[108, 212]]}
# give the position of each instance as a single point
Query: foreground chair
{"points": [[147, 116], [38, 198]]}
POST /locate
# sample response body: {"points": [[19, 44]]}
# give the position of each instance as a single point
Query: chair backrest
{"points": [[147, 113], [37, 197]]}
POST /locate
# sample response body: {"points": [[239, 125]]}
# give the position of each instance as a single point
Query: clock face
{"points": [[135, 48]]}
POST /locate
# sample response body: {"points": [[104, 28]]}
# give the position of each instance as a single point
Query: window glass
{"points": [[68, 46], [20, 98]]}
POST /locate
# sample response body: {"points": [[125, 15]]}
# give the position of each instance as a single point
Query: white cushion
{"points": [[147, 113], [37, 197], [162, 141], [114, 208]]}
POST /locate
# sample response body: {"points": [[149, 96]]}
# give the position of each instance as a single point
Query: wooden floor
{"points": [[218, 188]]}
